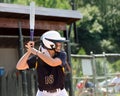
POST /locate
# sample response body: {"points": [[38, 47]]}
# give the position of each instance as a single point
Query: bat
{"points": [[32, 20]]}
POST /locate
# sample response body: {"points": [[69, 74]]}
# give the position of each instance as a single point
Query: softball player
{"points": [[48, 61]]}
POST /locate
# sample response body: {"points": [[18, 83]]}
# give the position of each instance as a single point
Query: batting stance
{"points": [[49, 61]]}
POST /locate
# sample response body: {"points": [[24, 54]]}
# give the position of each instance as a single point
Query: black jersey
{"points": [[49, 77]]}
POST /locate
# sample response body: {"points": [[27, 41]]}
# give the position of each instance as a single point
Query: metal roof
{"points": [[41, 13]]}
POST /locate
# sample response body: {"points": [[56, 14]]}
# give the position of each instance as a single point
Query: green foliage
{"points": [[61, 4], [108, 46], [22, 2], [101, 20], [89, 29], [81, 51], [102, 66], [77, 68], [90, 20], [74, 48], [116, 66]]}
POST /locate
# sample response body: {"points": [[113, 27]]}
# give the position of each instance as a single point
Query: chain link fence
{"points": [[99, 69], [12, 84]]}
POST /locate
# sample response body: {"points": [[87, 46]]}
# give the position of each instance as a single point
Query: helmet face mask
{"points": [[49, 39]]}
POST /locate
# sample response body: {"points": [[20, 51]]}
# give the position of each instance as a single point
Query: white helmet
{"points": [[50, 37]]}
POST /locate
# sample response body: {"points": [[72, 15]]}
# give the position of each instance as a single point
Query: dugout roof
{"points": [[13, 16]]}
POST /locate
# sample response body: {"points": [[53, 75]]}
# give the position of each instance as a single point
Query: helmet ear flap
{"points": [[48, 44], [52, 46]]}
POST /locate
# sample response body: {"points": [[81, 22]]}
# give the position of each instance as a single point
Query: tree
{"points": [[89, 29], [99, 26]]}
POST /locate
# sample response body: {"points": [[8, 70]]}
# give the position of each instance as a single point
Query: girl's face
{"points": [[58, 47]]}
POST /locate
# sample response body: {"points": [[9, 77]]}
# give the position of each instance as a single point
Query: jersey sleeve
{"points": [[32, 62], [62, 56]]}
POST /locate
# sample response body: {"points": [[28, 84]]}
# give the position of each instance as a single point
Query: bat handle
{"points": [[31, 34]]}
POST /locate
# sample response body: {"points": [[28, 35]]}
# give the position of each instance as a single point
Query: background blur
{"points": [[97, 38]]}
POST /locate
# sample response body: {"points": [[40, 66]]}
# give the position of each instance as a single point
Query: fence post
{"points": [[105, 72], [21, 52], [94, 73], [68, 50]]}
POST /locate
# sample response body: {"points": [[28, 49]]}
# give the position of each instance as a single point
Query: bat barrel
{"points": [[32, 20]]}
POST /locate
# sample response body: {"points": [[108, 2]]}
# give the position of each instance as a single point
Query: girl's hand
{"points": [[29, 46]]}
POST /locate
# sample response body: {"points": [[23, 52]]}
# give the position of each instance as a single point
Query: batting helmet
{"points": [[49, 39]]}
